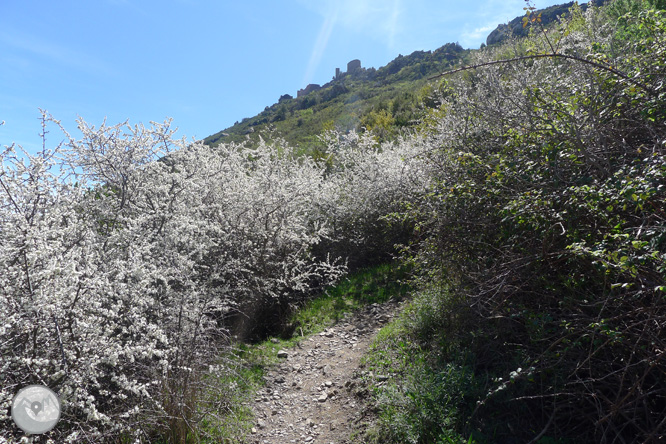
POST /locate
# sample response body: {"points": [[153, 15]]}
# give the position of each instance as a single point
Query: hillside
{"points": [[548, 15], [385, 100], [172, 292], [352, 100]]}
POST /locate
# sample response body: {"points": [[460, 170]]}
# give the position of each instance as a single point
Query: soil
{"points": [[316, 393]]}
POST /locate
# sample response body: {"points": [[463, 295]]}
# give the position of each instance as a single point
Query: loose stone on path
{"points": [[312, 395]]}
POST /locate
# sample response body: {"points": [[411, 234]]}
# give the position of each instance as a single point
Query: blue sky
{"points": [[206, 64]]}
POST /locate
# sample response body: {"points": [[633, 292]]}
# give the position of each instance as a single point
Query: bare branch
{"points": [[552, 56]]}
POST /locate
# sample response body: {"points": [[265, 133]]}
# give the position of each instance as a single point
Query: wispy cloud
{"points": [[405, 26], [320, 45], [493, 13], [475, 37], [31, 49], [379, 19], [394, 23]]}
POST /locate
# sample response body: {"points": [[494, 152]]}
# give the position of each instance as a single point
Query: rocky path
{"points": [[314, 394]]}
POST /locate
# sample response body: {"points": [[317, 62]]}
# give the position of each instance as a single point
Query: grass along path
{"points": [[275, 399], [314, 394]]}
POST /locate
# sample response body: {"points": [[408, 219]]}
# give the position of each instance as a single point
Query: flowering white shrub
{"points": [[369, 183], [122, 252]]}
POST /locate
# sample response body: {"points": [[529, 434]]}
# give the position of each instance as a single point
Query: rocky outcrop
{"points": [[515, 27], [308, 89], [285, 97]]}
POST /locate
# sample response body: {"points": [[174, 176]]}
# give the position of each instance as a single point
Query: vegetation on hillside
{"points": [[387, 100], [528, 199], [542, 246]]}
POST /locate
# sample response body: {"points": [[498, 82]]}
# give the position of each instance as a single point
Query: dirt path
{"points": [[313, 396]]}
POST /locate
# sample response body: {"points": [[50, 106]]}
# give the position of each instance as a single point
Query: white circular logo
{"points": [[36, 409]]}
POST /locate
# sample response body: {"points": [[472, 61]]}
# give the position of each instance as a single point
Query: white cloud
{"points": [[491, 14], [474, 38], [403, 26], [320, 46], [29, 48], [379, 19]]}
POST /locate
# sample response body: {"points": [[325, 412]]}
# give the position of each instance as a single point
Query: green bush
{"points": [[547, 225], [428, 394]]}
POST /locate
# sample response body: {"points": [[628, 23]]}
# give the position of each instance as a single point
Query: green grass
{"points": [[233, 416], [426, 397], [373, 285]]}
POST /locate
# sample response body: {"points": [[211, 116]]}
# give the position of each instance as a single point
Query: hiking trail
{"points": [[315, 394]]}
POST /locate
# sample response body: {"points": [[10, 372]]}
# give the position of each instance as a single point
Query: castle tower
{"points": [[353, 65]]}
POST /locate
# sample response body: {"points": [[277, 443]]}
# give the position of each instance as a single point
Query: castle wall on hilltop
{"points": [[351, 68]]}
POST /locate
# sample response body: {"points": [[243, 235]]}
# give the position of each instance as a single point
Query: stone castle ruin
{"points": [[308, 89], [352, 66]]}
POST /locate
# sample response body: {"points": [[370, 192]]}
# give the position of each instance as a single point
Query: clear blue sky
{"points": [[206, 64]]}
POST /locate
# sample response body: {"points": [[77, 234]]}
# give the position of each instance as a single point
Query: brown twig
{"points": [[553, 55]]}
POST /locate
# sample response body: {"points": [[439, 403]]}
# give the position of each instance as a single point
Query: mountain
{"points": [[387, 100], [515, 27], [389, 97]]}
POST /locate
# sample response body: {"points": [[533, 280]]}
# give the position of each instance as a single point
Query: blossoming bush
{"points": [[369, 183], [125, 251]]}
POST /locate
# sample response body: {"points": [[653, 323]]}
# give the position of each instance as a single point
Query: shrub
{"points": [[116, 279], [546, 223]]}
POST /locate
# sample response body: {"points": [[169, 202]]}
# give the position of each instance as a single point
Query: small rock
{"points": [[323, 397], [282, 354], [330, 383], [274, 340], [254, 431], [361, 392]]}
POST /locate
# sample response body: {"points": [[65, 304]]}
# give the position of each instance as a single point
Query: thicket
{"points": [[128, 257], [543, 242], [530, 203]]}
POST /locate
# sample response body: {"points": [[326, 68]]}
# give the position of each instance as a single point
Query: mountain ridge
{"points": [[386, 99]]}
